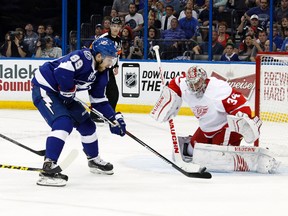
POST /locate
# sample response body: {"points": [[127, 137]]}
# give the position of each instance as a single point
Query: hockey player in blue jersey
{"points": [[55, 84]]}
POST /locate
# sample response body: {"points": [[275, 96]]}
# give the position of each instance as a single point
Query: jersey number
{"points": [[77, 61], [233, 99]]}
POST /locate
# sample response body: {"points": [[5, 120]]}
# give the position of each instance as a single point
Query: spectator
{"points": [[230, 55], [189, 25], [134, 20], [189, 5], [160, 10], [175, 4], [222, 35], [140, 4], [153, 37], [127, 34], [136, 51], [246, 46], [151, 21], [239, 5], [172, 46], [50, 32], [258, 44], [199, 5], [281, 11], [140, 9], [47, 50], [30, 38], [217, 48], [113, 13], [262, 11], [231, 40], [126, 44], [204, 20], [166, 19], [277, 39], [98, 32], [106, 24], [284, 25], [245, 25], [4, 45], [41, 31], [122, 7], [267, 46], [284, 47], [220, 5], [15, 46]]}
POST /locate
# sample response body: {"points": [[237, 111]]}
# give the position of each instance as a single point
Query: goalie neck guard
{"points": [[195, 80]]}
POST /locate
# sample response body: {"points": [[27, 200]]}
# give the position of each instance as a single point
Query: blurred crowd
{"points": [[179, 27]]}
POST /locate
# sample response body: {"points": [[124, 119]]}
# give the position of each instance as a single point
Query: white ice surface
{"points": [[143, 184]]}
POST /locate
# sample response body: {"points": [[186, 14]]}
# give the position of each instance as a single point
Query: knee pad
{"points": [[64, 123], [88, 127]]}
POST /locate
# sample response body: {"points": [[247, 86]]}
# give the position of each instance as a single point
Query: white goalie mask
{"points": [[195, 80]]}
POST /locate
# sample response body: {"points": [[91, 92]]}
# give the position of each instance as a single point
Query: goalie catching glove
{"points": [[247, 127], [119, 126], [167, 106]]}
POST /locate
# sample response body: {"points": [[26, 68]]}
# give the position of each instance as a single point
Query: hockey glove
{"points": [[68, 96], [119, 126]]}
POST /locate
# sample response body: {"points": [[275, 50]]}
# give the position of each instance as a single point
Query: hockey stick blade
{"points": [[63, 165], [40, 152], [201, 174]]}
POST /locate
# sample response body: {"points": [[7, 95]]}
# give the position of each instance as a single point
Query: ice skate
{"points": [[98, 166], [51, 179]]}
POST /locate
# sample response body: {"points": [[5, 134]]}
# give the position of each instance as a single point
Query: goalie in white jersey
{"points": [[224, 120]]}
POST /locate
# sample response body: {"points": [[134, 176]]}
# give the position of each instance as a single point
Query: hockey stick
{"points": [[176, 147], [40, 153], [63, 165], [200, 174]]}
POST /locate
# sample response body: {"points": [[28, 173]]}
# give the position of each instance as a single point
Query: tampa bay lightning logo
{"points": [[87, 55], [130, 79]]}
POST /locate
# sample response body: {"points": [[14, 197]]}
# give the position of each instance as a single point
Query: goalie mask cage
{"points": [[271, 99]]}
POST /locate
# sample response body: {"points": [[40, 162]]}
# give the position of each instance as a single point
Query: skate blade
{"points": [[51, 182], [99, 171]]}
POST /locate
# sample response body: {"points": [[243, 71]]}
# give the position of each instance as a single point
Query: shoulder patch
{"points": [[87, 55]]}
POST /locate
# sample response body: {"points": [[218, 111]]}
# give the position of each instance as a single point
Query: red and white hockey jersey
{"points": [[218, 101]]}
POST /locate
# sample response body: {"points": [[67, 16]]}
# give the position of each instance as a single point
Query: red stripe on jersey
{"points": [[234, 103]]}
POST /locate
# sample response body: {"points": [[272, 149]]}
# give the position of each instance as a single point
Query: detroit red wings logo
{"points": [[200, 111], [240, 164]]}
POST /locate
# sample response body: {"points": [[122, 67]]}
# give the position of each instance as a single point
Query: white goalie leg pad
{"points": [[167, 106], [242, 124], [235, 158]]}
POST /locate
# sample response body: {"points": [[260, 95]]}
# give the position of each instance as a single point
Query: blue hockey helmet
{"points": [[105, 46]]}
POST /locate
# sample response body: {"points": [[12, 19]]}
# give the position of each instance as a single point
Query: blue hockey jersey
{"points": [[76, 69]]}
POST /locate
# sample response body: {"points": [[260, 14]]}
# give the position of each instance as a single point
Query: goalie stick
{"points": [[63, 165], [200, 174], [40, 152], [176, 147]]}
